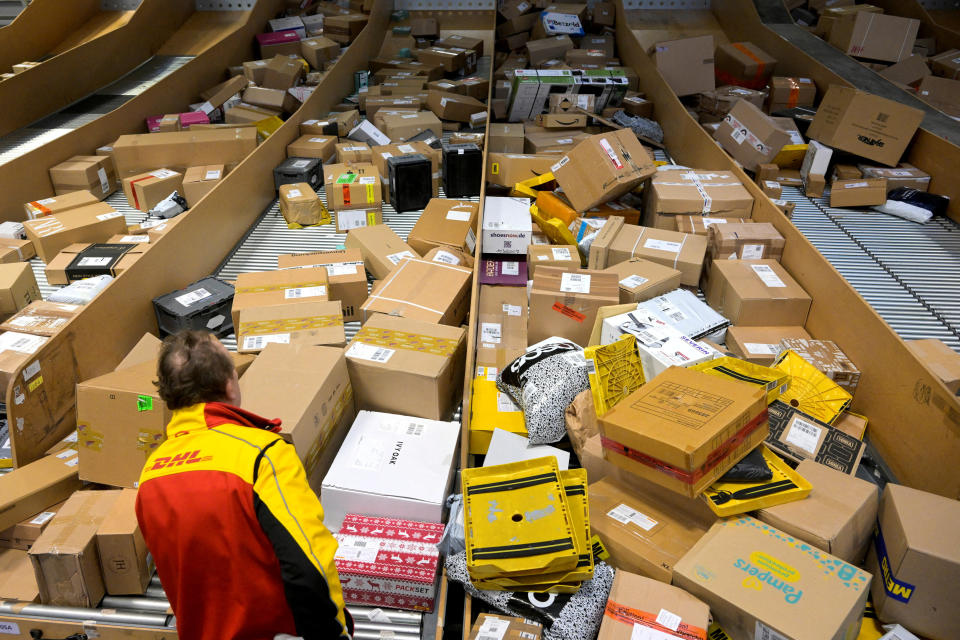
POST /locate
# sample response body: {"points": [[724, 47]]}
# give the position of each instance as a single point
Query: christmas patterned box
{"points": [[386, 562]]}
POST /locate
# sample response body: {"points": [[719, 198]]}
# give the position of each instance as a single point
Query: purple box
{"points": [[277, 37], [503, 270], [193, 117], [153, 123]]}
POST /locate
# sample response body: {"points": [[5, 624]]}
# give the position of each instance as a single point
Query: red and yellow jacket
{"points": [[236, 532]]}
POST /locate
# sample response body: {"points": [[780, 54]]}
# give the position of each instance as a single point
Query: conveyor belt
{"points": [[74, 116]]}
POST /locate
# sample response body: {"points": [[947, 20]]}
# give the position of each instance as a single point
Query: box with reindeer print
{"points": [[387, 562]]}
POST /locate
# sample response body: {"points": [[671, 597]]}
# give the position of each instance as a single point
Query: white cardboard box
{"points": [[293, 23], [507, 226], [391, 466], [660, 346]]}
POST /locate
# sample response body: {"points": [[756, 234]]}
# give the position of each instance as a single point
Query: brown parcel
{"points": [[352, 186], [760, 345], [445, 223], [875, 36], [406, 366], [786, 93], [199, 181], [126, 563], [514, 629], [657, 605], [18, 288], [65, 558], [450, 255], [22, 535], [554, 142], [858, 193], [920, 535], [308, 388], [403, 126], [756, 293], [381, 247], [346, 276], [57, 204], [722, 421], [282, 73], [424, 290], [505, 137], [146, 350], [745, 64], [91, 173], [642, 279], [700, 225], [34, 487], [543, 49], [619, 242], [750, 136], [502, 317], [909, 71], [222, 92], [317, 322], [507, 169], [566, 257], [17, 580], [56, 269], [283, 286], [18, 349], [313, 146], [145, 190], [301, 206], [564, 303], [717, 194], [275, 99], [603, 167], [318, 51], [351, 152], [838, 516], [941, 359], [826, 356], [453, 106], [747, 241], [687, 64], [137, 153], [904, 175]]}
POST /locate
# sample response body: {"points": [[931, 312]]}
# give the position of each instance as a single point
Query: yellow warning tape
{"points": [[319, 445], [393, 339], [282, 287], [36, 382], [264, 327]]}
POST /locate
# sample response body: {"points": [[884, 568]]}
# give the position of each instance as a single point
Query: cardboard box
{"points": [[450, 255], [501, 270], [146, 350], [319, 51], [750, 136], [37, 486], [281, 287], [759, 582], [347, 279], [543, 49], [629, 214], [700, 225], [745, 241], [344, 28], [744, 64], [504, 627], [217, 96], [864, 124], [58, 204], [641, 279], [306, 322], [301, 206], [939, 358], [135, 154], [403, 126], [91, 173], [875, 36], [273, 99], [71, 264], [17, 581], [505, 137], [941, 93], [312, 146], [760, 345], [564, 303], [909, 71], [640, 603], [334, 124], [423, 290], [718, 194], [145, 190], [827, 357], [566, 257], [723, 420], [353, 152], [407, 366], [757, 293], [280, 43], [453, 106], [858, 192], [714, 105], [381, 247], [502, 314], [838, 516], [603, 167], [507, 169], [445, 223], [507, 227], [946, 64], [22, 535], [904, 175], [18, 288], [17, 349], [41, 318], [619, 243], [787, 93], [282, 73], [686, 64], [461, 41], [65, 558], [552, 141], [798, 436], [248, 114], [199, 181], [355, 186], [126, 563], [915, 559]]}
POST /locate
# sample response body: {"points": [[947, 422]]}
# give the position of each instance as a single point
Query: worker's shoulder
{"points": [[255, 438]]}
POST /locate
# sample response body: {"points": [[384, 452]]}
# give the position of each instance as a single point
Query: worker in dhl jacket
{"points": [[224, 505]]}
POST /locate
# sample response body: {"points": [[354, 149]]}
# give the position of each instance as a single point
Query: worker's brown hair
{"points": [[192, 369]]}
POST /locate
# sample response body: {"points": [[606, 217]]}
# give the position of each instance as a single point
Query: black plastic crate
{"points": [[96, 260], [462, 169], [203, 305], [411, 182], [294, 170]]}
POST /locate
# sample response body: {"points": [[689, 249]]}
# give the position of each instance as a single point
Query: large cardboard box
{"points": [[445, 223], [639, 607], [17, 580], [430, 291], [381, 247], [279, 287], [760, 583], [838, 516], [144, 152], [310, 322], [618, 243], [717, 194], [391, 466], [406, 366], [66, 267], [93, 223], [58, 204], [126, 563], [603, 167], [18, 288], [744, 64], [760, 345], [564, 303], [750, 136], [915, 559], [65, 558], [757, 293], [864, 124], [687, 64], [876, 36], [507, 169], [684, 429], [309, 389], [502, 317], [641, 279], [346, 276], [31, 488], [941, 359]]}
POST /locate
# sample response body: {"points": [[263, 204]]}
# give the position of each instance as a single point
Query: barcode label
{"points": [[318, 140], [395, 258], [43, 518], [624, 515], [300, 164], [505, 403], [294, 193], [305, 292], [856, 185], [22, 342], [341, 269], [459, 216], [490, 332], [575, 283], [212, 175], [510, 268], [406, 148], [367, 180], [104, 183], [763, 632], [67, 453], [446, 257], [561, 253], [512, 309], [139, 238], [760, 348], [493, 629], [591, 367], [751, 252], [259, 342], [109, 216], [671, 310], [96, 261], [668, 619], [354, 550], [188, 299], [414, 429], [767, 275], [163, 173], [611, 153], [632, 282], [709, 221], [804, 435], [663, 245], [369, 352]]}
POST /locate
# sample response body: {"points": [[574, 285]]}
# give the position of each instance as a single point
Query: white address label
{"points": [[43, 518], [259, 342], [624, 515], [109, 216], [188, 299], [752, 252], [459, 216], [94, 261], [490, 332], [575, 283], [341, 269], [633, 281], [510, 268], [560, 253], [760, 348], [446, 257], [395, 258], [662, 245], [305, 292], [767, 275], [805, 435], [512, 309], [370, 352]]}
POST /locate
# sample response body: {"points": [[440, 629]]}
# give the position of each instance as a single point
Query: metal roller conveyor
{"points": [[392, 616], [80, 614], [136, 603]]}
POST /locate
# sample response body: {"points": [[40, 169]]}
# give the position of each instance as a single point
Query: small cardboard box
{"points": [[649, 606], [507, 227], [797, 436], [334, 124], [760, 345], [65, 558], [750, 136], [722, 419], [145, 190], [445, 223], [915, 559], [96, 259], [353, 152], [347, 278], [700, 225], [313, 146], [319, 51], [909, 71], [453, 106], [679, 251], [218, 95], [713, 105], [423, 290], [838, 516], [543, 49], [273, 99], [381, 247], [16, 349], [93, 223], [641, 279], [300, 205], [505, 137], [946, 64], [757, 293], [58, 204], [717, 194], [565, 257], [37, 486], [353, 186], [18, 288], [760, 583], [406, 471], [941, 359], [278, 43], [489, 625], [22, 535], [403, 126], [858, 192], [828, 358], [787, 93], [552, 141], [745, 241], [313, 322], [199, 181], [686, 64], [502, 314], [91, 173], [744, 64], [507, 169], [904, 175], [283, 286], [875, 36], [564, 302], [864, 124], [407, 366], [602, 168], [126, 563]]}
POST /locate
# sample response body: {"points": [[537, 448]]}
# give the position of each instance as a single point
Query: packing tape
{"points": [[282, 287], [633, 251], [286, 325], [761, 65], [680, 250], [88, 438], [407, 341], [631, 616], [707, 200], [326, 430], [148, 440], [794, 93], [133, 189]]}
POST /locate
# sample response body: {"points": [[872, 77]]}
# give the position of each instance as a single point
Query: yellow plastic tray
{"points": [[775, 381], [810, 391], [614, 370], [723, 492]]}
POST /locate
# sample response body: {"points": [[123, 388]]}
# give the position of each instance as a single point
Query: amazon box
{"points": [[423, 290], [507, 169], [750, 136], [565, 302], [127, 565], [757, 293]]}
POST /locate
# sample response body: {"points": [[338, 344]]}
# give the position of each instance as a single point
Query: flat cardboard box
{"points": [[744, 64], [313, 146], [761, 345], [248, 114], [745, 241], [875, 36], [280, 287], [939, 358], [346, 276], [18, 288], [36, 486], [686, 64], [915, 560], [423, 290], [57, 269], [858, 192], [354, 186], [750, 136], [641, 279], [391, 466], [306, 322], [564, 303], [716, 194], [602, 168], [407, 366], [199, 181], [65, 558], [17, 580], [445, 223], [507, 169], [757, 293], [566, 257], [58, 204], [381, 247], [838, 516], [126, 563], [679, 251], [651, 606], [22, 535], [41, 318], [645, 531], [864, 124], [904, 175], [502, 315], [759, 582], [135, 154], [722, 419]]}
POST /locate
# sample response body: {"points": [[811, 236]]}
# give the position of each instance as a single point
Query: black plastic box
{"points": [[411, 182], [96, 260], [203, 305], [462, 169], [294, 170]]}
